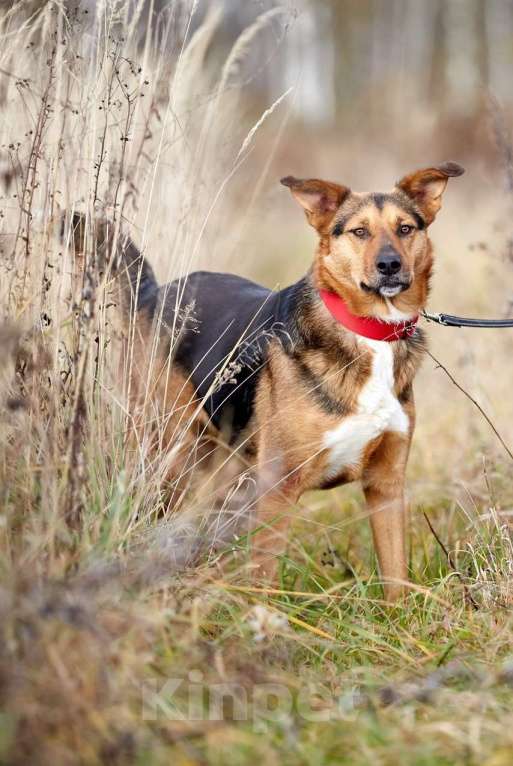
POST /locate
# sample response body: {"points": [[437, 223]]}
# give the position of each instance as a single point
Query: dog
{"points": [[313, 384]]}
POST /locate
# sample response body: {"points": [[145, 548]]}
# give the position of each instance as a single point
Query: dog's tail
{"points": [[118, 254]]}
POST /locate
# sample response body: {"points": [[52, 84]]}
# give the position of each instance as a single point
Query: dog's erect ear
{"points": [[425, 187], [320, 199]]}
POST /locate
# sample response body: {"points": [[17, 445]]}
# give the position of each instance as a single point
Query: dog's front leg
{"points": [[383, 485], [277, 489], [270, 539]]}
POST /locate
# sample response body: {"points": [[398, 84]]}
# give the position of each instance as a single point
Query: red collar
{"points": [[369, 327]]}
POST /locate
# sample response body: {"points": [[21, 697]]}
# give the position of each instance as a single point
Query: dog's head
{"points": [[374, 247]]}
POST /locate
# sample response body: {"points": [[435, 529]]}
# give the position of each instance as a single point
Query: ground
{"points": [[202, 669]]}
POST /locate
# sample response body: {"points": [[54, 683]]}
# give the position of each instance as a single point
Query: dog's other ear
{"points": [[320, 199], [425, 187]]}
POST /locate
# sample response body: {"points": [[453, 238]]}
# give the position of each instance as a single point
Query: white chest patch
{"points": [[378, 410]]}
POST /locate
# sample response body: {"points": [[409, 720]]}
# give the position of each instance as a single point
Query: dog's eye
{"points": [[405, 229], [360, 232]]}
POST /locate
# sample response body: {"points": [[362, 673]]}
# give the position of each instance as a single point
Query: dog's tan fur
{"points": [[302, 396]]}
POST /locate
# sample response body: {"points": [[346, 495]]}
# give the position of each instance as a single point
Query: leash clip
{"points": [[438, 318]]}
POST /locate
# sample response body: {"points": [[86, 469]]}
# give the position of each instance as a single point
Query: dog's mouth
{"points": [[386, 288]]}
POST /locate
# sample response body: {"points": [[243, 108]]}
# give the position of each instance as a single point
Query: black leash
{"points": [[448, 320]]}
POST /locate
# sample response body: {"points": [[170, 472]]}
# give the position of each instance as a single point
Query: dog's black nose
{"points": [[388, 261]]}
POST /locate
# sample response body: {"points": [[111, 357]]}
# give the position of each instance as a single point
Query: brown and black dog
{"points": [[312, 384]]}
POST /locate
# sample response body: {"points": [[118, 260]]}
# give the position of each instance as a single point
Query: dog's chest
{"points": [[378, 410]]}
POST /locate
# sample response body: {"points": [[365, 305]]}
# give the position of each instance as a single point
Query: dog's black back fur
{"points": [[223, 324]]}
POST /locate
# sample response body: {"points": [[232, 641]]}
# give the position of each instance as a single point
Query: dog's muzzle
{"points": [[391, 278]]}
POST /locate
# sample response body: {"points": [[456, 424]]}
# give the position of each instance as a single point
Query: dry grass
{"points": [[97, 613]]}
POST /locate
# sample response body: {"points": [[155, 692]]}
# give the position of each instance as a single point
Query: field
{"points": [[125, 637]]}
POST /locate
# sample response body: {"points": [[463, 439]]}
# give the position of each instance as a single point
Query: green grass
{"points": [[131, 673]]}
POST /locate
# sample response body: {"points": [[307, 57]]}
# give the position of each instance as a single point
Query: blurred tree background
{"points": [[415, 70], [367, 64]]}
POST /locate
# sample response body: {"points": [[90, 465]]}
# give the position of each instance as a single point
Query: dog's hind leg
{"points": [[184, 435], [169, 424]]}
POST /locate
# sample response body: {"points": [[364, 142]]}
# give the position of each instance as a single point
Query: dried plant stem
{"points": [[30, 180], [474, 402], [468, 596]]}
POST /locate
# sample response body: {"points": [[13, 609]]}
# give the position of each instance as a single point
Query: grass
{"points": [[112, 651], [320, 670]]}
